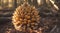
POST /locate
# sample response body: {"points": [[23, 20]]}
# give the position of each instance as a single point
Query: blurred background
{"points": [[49, 11]]}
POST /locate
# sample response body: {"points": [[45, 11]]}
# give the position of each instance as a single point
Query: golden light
{"points": [[10, 5], [10, 0], [54, 4], [39, 2], [5, 1]]}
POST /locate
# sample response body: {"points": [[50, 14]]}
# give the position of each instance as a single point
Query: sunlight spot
{"points": [[39, 2], [54, 4]]}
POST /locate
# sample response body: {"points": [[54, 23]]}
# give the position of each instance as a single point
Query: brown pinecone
{"points": [[26, 17]]}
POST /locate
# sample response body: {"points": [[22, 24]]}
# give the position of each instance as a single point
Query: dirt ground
{"points": [[8, 28]]}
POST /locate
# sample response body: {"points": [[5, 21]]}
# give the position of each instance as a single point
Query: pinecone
{"points": [[26, 17]]}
